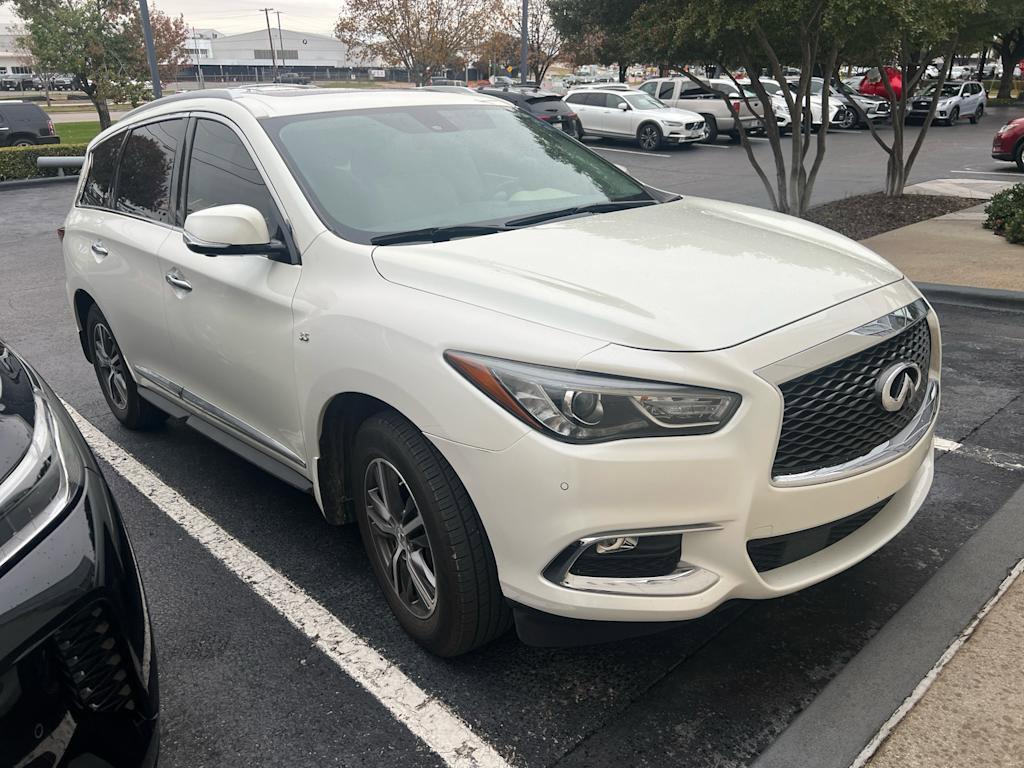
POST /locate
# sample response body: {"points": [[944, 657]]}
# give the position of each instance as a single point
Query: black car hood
{"points": [[17, 410]]}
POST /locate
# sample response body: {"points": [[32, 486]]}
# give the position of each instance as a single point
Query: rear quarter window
{"points": [[102, 167]]}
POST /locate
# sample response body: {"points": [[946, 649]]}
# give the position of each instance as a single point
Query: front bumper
{"points": [[78, 673], [539, 496]]}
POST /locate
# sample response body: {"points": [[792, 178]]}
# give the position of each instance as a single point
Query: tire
{"points": [[579, 130], [954, 116], [467, 609], [22, 141], [850, 119], [1018, 155], [115, 379], [978, 114], [649, 137], [711, 129]]}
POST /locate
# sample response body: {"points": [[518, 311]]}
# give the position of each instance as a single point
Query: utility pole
{"points": [[270, 37], [280, 38], [195, 57], [524, 59], [147, 33]]}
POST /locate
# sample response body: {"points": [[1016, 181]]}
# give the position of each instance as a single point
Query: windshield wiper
{"points": [[619, 205], [435, 234]]}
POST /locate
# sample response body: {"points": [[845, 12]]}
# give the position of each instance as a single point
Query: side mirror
{"points": [[226, 230], [624, 106]]}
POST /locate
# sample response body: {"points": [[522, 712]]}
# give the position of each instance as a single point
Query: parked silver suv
{"points": [[958, 99]]}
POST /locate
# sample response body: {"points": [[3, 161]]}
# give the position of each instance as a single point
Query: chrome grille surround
{"points": [[833, 425]]}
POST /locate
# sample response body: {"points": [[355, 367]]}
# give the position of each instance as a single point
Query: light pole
{"points": [[523, 43], [147, 33], [270, 37]]}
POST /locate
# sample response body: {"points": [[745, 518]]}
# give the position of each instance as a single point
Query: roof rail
{"points": [[213, 93]]}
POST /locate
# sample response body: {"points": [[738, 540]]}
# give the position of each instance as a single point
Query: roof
{"points": [[280, 99]]}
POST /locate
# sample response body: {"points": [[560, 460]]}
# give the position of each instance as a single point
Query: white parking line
{"points": [[1001, 459], [709, 146], [626, 151], [990, 173], [429, 719]]}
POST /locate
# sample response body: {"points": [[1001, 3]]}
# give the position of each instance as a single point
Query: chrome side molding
{"points": [[216, 414]]}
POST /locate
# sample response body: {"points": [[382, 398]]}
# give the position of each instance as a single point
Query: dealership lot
{"points": [[240, 682]]}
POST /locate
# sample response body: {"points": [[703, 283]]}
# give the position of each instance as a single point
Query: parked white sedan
{"points": [[620, 114]]}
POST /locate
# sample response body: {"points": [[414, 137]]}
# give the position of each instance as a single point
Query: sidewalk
{"points": [[954, 249], [973, 714]]}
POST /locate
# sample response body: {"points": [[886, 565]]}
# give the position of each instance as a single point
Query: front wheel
{"points": [[954, 116], [649, 137], [710, 129], [116, 382], [428, 548]]}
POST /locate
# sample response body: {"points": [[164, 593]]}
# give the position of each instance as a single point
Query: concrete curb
{"points": [[37, 182], [846, 715], [984, 298]]}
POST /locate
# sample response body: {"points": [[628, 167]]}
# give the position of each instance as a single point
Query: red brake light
{"points": [[49, 125]]}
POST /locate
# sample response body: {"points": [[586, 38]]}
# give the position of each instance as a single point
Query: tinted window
{"points": [[221, 172], [144, 181], [666, 90], [576, 98], [612, 101], [97, 186], [596, 100], [690, 90]]}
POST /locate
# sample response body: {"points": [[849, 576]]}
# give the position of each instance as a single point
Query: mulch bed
{"points": [[864, 216]]}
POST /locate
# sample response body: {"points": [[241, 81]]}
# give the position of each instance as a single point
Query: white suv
{"points": [[542, 388]]}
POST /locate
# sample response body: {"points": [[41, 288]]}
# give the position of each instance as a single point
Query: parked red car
{"points": [[876, 87], [1008, 143]]}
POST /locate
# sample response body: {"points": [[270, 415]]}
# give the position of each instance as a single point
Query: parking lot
{"points": [[854, 164], [247, 675]]}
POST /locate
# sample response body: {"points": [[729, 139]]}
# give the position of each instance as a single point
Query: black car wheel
{"points": [[649, 137], [116, 382], [1018, 155], [849, 119], [22, 141], [954, 116], [422, 534], [978, 114]]}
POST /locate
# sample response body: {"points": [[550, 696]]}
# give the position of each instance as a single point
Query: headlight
{"points": [[1003, 130], [673, 123], [46, 478], [592, 407]]}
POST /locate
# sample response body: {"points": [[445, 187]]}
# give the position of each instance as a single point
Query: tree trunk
{"points": [[623, 68], [103, 110], [1006, 81]]}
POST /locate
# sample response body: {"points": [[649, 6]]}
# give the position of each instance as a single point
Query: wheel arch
{"points": [[340, 419], [83, 302], [18, 136]]}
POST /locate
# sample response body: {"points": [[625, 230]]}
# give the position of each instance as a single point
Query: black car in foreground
{"points": [[78, 683], [544, 105]]}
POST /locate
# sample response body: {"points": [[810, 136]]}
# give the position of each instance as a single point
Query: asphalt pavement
{"points": [[241, 685]]}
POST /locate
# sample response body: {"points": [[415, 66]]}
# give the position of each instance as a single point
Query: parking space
{"points": [[242, 683]]}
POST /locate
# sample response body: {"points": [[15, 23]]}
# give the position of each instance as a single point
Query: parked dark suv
{"points": [[544, 105], [22, 125], [292, 78]]}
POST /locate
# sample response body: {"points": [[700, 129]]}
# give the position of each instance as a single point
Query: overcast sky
{"points": [[231, 16]]}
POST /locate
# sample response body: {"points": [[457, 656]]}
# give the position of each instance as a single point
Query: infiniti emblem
{"points": [[898, 384]]}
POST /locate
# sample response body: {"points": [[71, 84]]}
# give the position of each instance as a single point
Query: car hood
{"points": [[689, 275], [673, 113], [17, 411]]}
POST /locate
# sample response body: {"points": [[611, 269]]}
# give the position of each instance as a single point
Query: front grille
{"points": [[834, 414], [777, 551], [93, 662]]}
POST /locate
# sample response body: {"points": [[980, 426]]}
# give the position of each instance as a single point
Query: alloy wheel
{"points": [[400, 538], [110, 364], [649, 138]]}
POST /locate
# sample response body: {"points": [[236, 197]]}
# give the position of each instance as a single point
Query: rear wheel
{"points": [[116, 382], [978, 114], [649, 137], [22, 141], [424, 539]]}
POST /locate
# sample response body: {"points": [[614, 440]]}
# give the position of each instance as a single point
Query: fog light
{"points": [[617, 544]]}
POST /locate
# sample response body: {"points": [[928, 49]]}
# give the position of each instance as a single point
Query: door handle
{"points": [[174, 278], [98, 249]]}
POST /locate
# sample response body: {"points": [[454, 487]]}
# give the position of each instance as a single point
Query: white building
{"points": [[251, 56], [13, 58]]}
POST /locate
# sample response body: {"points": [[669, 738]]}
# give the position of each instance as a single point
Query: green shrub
{"points": [[1014, 228], [20, 162], [1004, 206]]}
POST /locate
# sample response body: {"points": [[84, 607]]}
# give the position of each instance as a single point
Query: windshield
{"points": [[948, 89], [643, 101], [381, 171]]}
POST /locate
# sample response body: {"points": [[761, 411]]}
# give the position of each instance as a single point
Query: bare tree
{"points": [[544, 39]]}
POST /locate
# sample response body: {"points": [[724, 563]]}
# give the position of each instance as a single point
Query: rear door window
{"points": [[666, 90], [144, 180], [651, 89], [98, 184]]}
